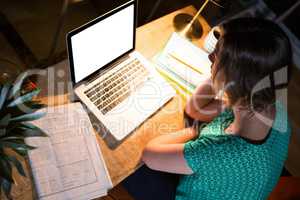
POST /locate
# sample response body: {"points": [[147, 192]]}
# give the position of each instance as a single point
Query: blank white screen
{"points": [[101, 43]]}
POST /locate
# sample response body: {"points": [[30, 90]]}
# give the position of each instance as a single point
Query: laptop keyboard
{"points": [[115, 88]]}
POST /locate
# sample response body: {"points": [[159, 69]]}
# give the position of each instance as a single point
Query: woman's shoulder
{"points": [[213, 142], [209, 149], [225, 114], [217, 125]]}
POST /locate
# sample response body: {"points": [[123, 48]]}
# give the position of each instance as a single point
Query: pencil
{"points": [[183, 62]]}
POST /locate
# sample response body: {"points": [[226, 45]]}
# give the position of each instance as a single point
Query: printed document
{"points": [[68, 164]]}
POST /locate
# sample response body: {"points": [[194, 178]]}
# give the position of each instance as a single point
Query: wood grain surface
{"points": [[125, 159]]}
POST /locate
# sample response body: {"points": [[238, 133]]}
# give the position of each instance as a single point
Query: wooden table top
{"points": [[126, 158]]}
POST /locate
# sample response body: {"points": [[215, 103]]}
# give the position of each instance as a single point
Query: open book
{"points": [[68, 164], [183, 64]]}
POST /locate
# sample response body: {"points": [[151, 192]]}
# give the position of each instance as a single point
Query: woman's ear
{"points": [[225, 99], [219, 84]]}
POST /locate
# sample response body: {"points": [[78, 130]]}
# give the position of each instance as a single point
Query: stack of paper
{"points": [[183, 64], [68, 164]]}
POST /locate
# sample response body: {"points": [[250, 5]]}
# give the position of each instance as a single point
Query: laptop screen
{"points": [[101, 43]]}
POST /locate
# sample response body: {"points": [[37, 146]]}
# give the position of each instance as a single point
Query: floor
{"points": [[27, 30]]}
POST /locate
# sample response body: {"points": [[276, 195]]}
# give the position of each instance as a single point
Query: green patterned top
{"points": [[229, 167]]}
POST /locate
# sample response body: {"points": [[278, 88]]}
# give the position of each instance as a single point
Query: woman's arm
{"points": [[165, 152], [202, 105]]}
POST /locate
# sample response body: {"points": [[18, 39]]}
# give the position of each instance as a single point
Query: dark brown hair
{"points": [[248, 51]]}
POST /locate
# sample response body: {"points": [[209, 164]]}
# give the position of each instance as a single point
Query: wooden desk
{"points": [[125, 159]]}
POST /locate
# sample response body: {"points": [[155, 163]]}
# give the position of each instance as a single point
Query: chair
{"points": [[288, 188]]}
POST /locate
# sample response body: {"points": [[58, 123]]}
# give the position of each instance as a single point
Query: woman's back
{"points": [[241, 152], [230, 167]]}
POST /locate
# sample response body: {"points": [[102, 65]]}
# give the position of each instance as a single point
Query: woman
{"points": [[240, 152]]}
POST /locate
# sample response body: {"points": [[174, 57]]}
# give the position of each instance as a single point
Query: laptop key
{"points": [[117, 86]]}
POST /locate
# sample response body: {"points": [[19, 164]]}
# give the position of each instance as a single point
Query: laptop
{"points": [[115, 82]]}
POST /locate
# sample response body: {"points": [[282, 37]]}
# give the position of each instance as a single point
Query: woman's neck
{"points": [[248, 125]]}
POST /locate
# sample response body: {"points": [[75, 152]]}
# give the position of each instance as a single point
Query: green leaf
{"points": [[26, 108], [27, 132], [37, 132], [18, 127], [24, 98], [17, 85], [28, 125], [21, 152], [5, 120], [34, 105], [28, 117], [3, 124], [17, 164], [30, 107], [16, 145], [12, 138], [6, 169], [3, 94], [6, 186]]}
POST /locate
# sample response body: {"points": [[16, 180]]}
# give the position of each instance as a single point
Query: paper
{"points": [[188, 53], [68, 164], [182, 70], [170, 75]]}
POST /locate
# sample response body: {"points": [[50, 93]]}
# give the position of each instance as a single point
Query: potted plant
{"points": [[17, 109]]}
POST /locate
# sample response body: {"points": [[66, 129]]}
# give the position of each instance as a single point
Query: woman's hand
{"points": [[202, 105], [165, 152]]}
